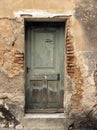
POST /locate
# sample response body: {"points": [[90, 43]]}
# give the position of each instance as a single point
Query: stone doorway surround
{"points": [[47, 17], [53, 17]]}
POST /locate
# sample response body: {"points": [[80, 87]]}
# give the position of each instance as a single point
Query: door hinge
{"points": [[27, 69]]}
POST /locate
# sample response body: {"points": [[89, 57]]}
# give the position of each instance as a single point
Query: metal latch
{"points": [[58, 77]]}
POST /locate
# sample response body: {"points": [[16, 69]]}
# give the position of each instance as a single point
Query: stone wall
{"points": [[80, 102], [12, 69], [82, 107]]}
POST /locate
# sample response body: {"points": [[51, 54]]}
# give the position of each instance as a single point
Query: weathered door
{"points": [[44, 66]]}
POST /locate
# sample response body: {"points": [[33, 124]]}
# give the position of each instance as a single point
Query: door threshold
{"points": [[45, 111], [37, 116]]}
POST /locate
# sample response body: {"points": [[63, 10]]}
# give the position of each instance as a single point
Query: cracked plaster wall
{"points": [[81, 57]]}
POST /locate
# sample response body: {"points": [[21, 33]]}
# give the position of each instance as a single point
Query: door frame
{"points": [[49, 20]]}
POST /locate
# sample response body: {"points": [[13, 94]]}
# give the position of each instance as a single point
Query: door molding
{"points": [[65, 19]]}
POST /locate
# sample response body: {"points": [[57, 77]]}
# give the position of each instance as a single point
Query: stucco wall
{"points": [[80, 102]]}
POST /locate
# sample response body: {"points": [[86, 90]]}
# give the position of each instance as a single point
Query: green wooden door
{"points": [[44, 67]]}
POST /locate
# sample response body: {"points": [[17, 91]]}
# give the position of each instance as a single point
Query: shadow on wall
{"points": [[86, 13], [7, 119], [88, 122], [95, 79]]}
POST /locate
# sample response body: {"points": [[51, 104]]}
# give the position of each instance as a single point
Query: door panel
{"points": [[44, 63], [52, 91], [43, 49], [36, 91]]}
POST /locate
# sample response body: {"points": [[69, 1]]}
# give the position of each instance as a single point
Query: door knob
{"points": [[45, 77]]}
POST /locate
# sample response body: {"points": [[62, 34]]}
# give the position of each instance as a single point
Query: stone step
{"points": [[44, 121], [32, 129]]}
